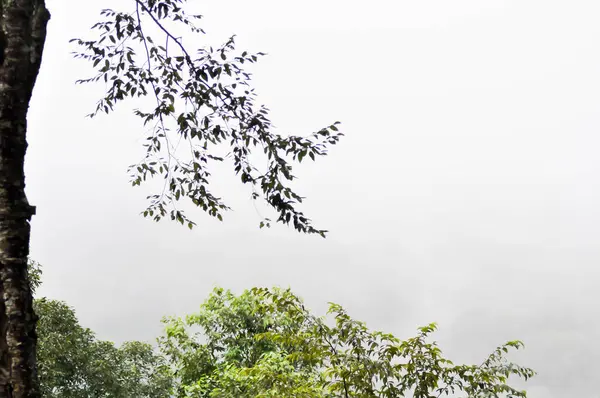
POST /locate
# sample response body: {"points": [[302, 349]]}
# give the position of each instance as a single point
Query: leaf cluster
{"points": [[265, 343], [261, 343], [203, 110], [73, 363]]}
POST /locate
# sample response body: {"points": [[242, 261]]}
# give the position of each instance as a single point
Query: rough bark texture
{"points": [[22, 34]]}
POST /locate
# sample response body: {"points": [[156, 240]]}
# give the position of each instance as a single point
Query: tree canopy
{"points": [[260, 343], [73, 363], [266, 343]]}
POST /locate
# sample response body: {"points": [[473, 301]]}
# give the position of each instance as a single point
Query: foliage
{"points": [[72, 363], [229, 325], [34, 275], [262, 343], [265, 343], [201, 97]]}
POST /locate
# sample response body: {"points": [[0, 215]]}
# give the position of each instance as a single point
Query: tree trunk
{"points": [[22, 35]]}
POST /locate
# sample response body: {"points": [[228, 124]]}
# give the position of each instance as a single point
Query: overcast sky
{"points": [[466, 190]]}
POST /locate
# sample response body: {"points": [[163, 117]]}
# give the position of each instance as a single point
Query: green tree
{"points": [[262, 343], [265, 343], [73, 363], [203, 98]]}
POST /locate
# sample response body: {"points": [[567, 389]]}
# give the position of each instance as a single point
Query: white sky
{"points": [[466, 191]]}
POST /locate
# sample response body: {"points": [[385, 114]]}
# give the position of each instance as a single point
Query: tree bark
{"points": [[22, 35]]}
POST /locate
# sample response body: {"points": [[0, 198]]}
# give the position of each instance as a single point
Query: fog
{"points": [[465, 191]]}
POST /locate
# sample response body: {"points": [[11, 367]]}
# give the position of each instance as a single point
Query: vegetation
{"points": [[261, 343], [72, 363], [203, 98], [202, 110]]}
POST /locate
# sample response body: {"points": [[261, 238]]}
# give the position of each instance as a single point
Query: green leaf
{"points": [[214, 107]]}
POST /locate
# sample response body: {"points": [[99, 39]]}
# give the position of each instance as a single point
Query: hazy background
{"points": [[466, 191]]}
